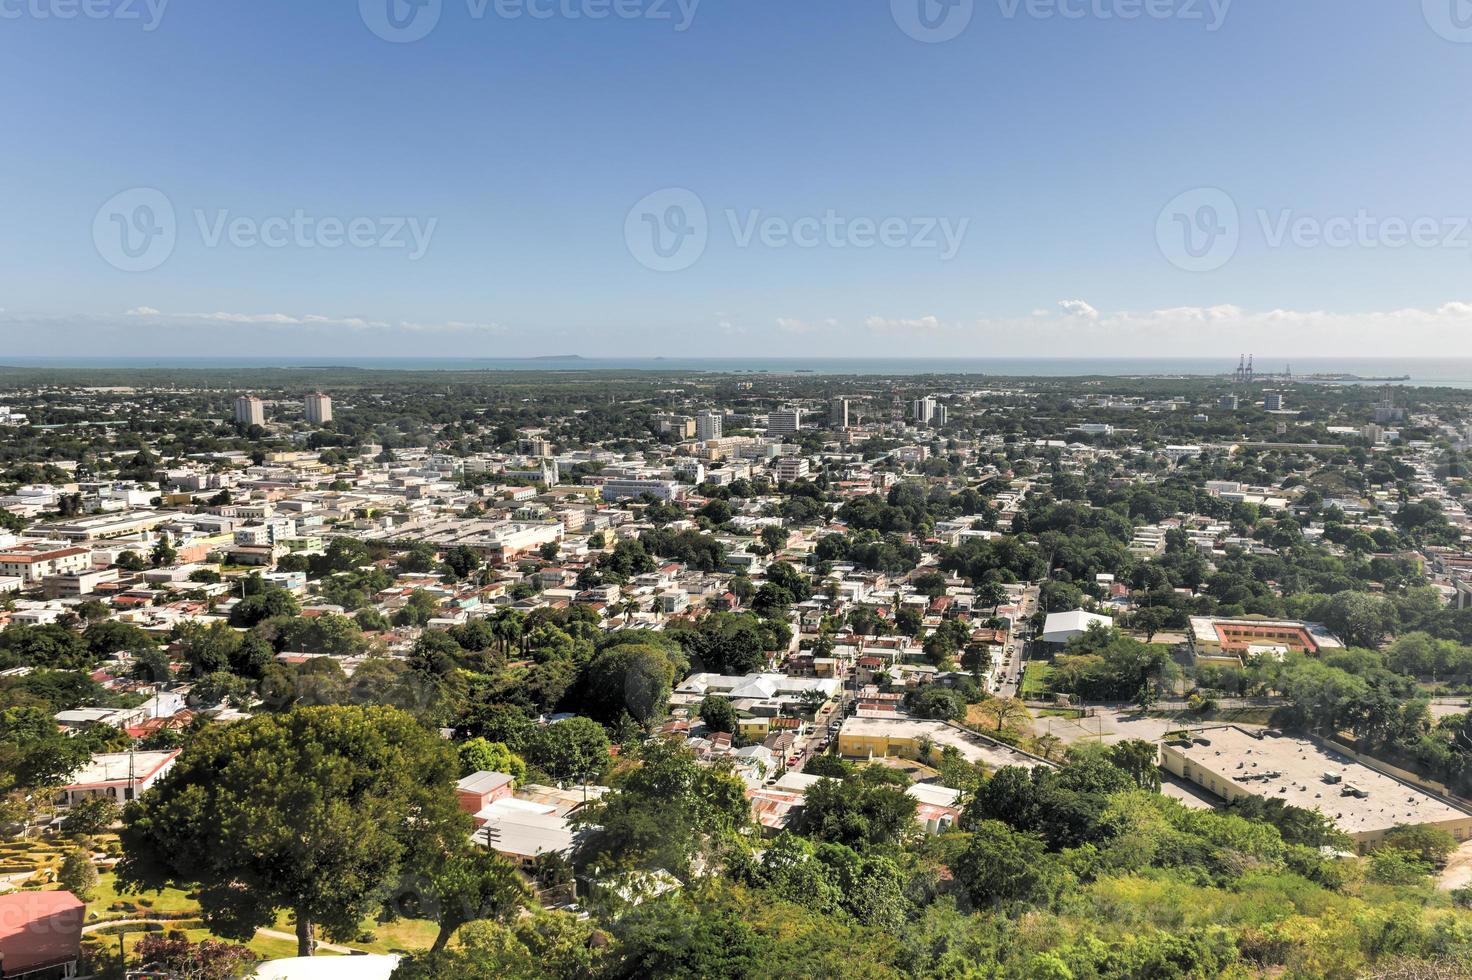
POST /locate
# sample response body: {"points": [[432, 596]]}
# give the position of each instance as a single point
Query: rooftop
{"points": [[1298, 772]]}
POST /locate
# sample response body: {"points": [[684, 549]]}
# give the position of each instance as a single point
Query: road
{"points": [[1015, 655]]}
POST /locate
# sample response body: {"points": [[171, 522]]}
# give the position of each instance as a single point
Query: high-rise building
{"points": [[784, 423], [250, 410], [319, 408], [838, 413], [922, 410], [1273, 401], [708, 426], [938, 417], [1227, 403]]}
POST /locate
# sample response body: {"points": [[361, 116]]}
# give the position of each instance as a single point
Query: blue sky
{"points": [[517, 146]]}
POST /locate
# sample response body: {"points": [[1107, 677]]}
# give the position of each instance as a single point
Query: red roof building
{"points": [[40, 931]]}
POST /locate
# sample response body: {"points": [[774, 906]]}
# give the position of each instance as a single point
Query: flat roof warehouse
{"points": [[1363, 802]]}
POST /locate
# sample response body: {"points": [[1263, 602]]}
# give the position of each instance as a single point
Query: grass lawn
{"points": [[402, 935], [265, 947], [143, 903], [1035, 680]]}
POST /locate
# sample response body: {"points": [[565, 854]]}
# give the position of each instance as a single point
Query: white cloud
{"points": [[1077, 307], [922, 324]]}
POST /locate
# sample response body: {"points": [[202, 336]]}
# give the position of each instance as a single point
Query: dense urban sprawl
{"points": [[573, 674]]}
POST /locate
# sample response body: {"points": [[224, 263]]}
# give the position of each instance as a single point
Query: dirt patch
{"points": [[1458, 871]]}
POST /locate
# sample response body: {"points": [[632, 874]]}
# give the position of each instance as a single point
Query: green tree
{"points": [[480, 755], [717, 713], [1001, 865], [664, 814], [78, 875], [574, 748], [313, 811]]}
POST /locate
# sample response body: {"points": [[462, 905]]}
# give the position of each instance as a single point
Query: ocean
{"points": [[1444, 372]]}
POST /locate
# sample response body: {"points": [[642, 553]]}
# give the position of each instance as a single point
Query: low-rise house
{"points": [[119, 776], [479, 790]]}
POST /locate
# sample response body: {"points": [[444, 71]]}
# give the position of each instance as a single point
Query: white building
{"points": [[708, 426], [33, 562], [1061, 627], [250, 410], [633, 489], [784, 423], [789, 468], [319, 408]]}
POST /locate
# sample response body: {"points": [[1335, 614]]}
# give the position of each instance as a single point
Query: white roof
{"points": [[483, 781], [933, 793], [1066, 625], [524, 832], [372, 967]]}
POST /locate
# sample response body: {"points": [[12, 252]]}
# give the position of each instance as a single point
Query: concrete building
{"points": [[1273, 401], [250, 410], [838, 416], [708, 426], [1231, 640], [790, 468], [1365, 803], [119, 776], [99, 527], [76, 584], [633, 489], [878, 738], [922, 410], [319, 408], [33, 562], [784, 423]]}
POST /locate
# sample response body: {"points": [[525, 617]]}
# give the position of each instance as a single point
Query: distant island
{"points": [[558, 357]]}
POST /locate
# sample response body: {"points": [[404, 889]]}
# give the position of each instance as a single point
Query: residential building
{"points": [[319, 408], [708, 426], [119, 776], [250, 410], [922, 410], [838, 416]]}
